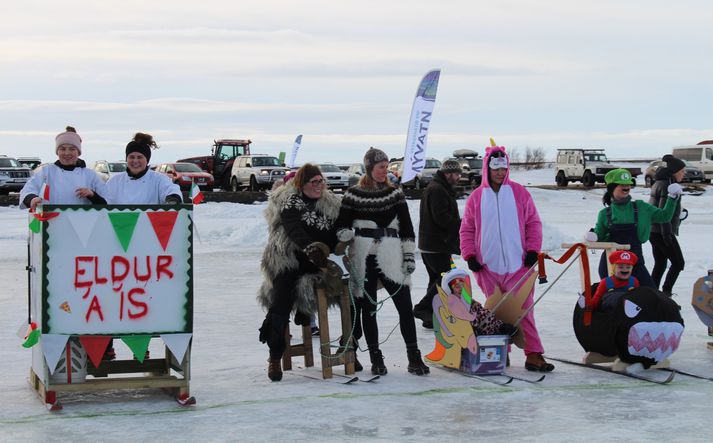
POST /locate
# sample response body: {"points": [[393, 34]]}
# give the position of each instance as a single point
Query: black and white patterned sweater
{"points": [[383, 207]]}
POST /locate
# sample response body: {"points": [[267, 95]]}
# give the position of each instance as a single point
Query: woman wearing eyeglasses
{"points": [[300, 216], [375, 215]]}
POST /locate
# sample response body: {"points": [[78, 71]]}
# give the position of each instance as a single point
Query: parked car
{"points": [[699, 156], [588, 166], [356, 170], [422, 179], [185, 174], [256, 172], [29, 162], [335, 177], [472, 165], [692, 174], [107, 169], [13, 175]]}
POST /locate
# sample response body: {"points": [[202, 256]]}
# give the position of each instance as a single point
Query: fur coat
{"points": [[280, 254]]}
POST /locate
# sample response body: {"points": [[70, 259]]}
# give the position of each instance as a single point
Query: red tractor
{"points": [[220, 162]]}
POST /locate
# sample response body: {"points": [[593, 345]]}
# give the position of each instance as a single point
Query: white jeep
{"points": [[588, 166]]}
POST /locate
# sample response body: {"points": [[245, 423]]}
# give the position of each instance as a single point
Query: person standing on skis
{"points": [[500, 237]]}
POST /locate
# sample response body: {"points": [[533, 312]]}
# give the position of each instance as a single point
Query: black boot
{"points": [[377, 362], [425, 315], [357, 366], [274, 369], [415, 364]]}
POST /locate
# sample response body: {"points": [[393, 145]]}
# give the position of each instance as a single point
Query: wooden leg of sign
{"points": [[47, 397], [325, 350]]}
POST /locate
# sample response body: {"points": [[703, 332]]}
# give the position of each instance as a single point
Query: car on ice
{"points": [[692, 174], [588, 166], [337, 180], [422, 179], [13, 175], [256, 172], [185, 174], [107, 169]]}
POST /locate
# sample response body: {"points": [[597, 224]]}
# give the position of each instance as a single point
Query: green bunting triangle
{"points": [[35, 225], [138, 345], [124, 224]]}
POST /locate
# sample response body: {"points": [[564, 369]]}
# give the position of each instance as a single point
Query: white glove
{"points": [[674, 190], [345, 235], [590, 236]]}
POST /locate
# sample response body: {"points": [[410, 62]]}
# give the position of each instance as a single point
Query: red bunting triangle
{"points": [[45, 216], [163, 223], [95, 345]]}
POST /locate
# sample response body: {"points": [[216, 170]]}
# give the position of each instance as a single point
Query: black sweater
{"points": [[304, 224], [439, 225]]}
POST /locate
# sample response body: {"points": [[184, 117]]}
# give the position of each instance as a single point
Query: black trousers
{"points": [[401, 296], [278, 315], [664, 253], [436, 264]]}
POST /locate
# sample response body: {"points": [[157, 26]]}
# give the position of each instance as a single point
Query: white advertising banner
{"points": [[295, 149], [415, 153]]}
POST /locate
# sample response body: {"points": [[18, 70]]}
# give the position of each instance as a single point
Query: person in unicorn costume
{"points": [[500, 237]]}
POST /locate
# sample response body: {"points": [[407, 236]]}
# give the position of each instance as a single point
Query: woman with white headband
{"points": [[500, 237]]}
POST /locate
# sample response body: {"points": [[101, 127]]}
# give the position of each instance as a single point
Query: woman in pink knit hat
{"points": [[69, 180]]}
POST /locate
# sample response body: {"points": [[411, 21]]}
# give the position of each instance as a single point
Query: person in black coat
{"points": [[301, 218], [438, 233], [664, 245]]}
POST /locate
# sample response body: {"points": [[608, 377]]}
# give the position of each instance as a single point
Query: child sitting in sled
{"points": [[611, 288], [456, 284]]}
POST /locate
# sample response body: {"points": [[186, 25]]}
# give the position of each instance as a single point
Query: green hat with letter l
{"points": [[619, 176]]}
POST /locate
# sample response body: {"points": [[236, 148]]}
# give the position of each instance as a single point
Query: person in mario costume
{"points": [[610, 289]]}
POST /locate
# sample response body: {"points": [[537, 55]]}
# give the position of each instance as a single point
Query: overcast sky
{"points": [[635, 77]]}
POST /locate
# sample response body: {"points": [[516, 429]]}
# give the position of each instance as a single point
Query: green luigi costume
{"points": [[629, 222]]}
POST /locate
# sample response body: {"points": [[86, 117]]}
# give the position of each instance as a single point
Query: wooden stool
{"points": [[298, 349], [330, 359]]}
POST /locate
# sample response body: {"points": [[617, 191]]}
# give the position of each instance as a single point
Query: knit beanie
{"points": [[309, 171], [142, 143], [673, 164], [372, 157], [451, 166], [69, 137]]}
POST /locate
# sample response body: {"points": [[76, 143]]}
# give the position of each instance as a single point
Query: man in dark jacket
{"points": [[438, 233]]}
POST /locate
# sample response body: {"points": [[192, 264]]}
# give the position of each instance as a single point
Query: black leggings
{"points": [[662, 254], [402, 301], [283, 298]]}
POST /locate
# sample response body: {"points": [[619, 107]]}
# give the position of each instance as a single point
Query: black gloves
{"points": [[315, 253], [530, 259], [473, 265]]}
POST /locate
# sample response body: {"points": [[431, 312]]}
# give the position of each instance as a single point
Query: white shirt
{"points": [[500, 239], [63, 185], [151, 189]]}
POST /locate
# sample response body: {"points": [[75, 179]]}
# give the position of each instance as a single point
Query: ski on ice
{"points": [[489, 378], [526, 379], [342, 379], [638, 376], [370, 379], [688, 374]]}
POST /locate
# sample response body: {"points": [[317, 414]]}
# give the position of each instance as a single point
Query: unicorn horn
{"points": [[492, 142]]}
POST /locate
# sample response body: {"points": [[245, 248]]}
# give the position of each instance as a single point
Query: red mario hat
{"points": [[623, 258]]}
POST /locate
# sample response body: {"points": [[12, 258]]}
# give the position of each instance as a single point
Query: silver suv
{"points": [[336, 178], [13, 175], [255, 172], [107, 169]]}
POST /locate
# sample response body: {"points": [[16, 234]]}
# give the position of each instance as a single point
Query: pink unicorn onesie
{"points": [[500, 237]]}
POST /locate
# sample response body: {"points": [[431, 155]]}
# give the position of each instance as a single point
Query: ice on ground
{"points": [[236, 401]]}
